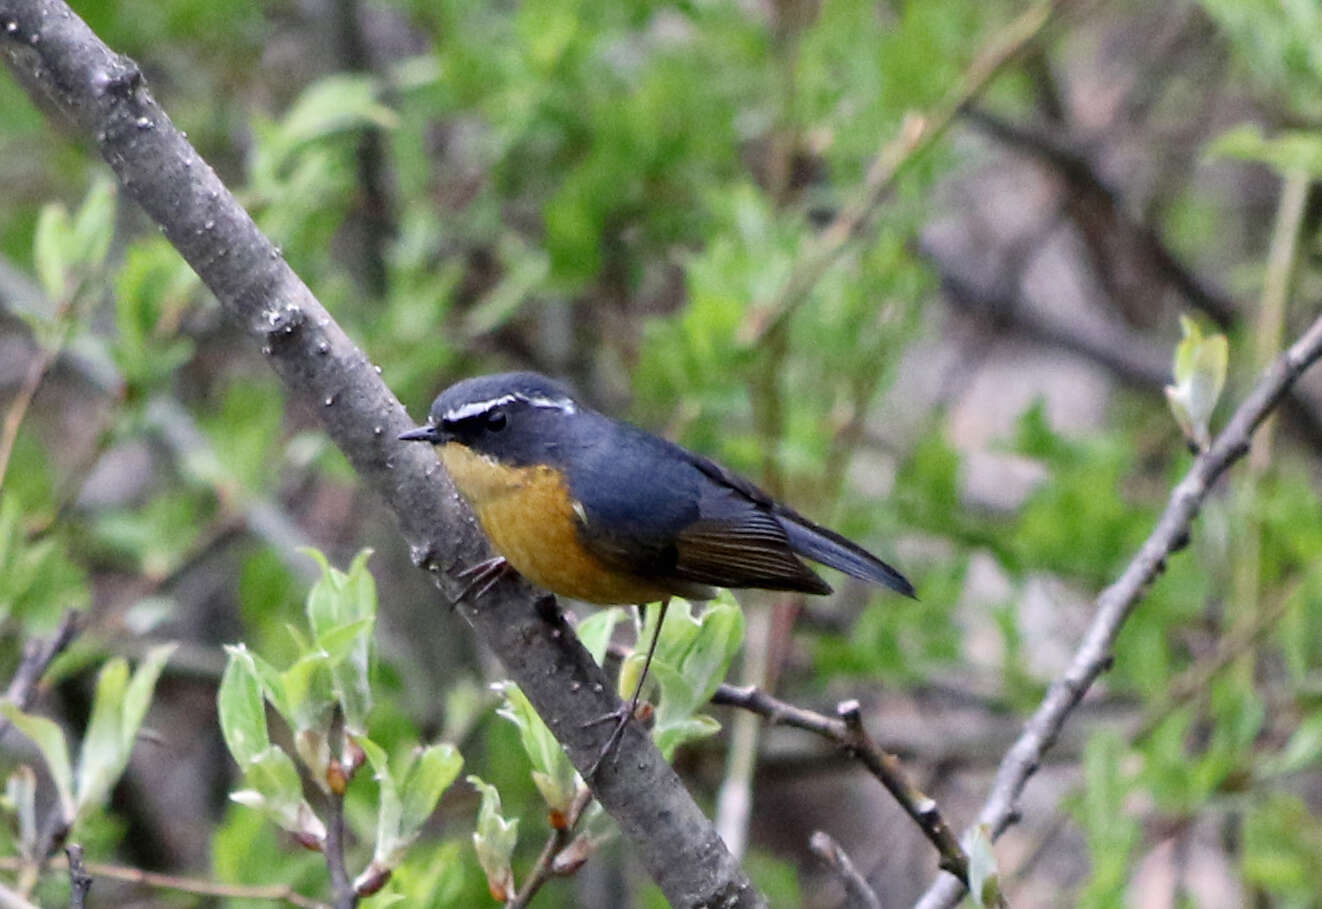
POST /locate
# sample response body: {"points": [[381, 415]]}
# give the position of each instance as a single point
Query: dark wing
{"points": [[737, 544], [649, 509], [821, 544]]}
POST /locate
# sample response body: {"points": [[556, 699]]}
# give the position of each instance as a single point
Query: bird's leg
{"points": [[622, 717], [482, 576]]}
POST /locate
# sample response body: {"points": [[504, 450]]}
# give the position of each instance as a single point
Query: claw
{"points": [[621, 719], [482, 577]]}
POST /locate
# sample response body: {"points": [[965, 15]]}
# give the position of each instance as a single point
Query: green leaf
{"points": [[49, 245], [1287, 152], [338, 600], [595, 631], [306, 691], [692, 658], [49, 739], [275, 790], [1302, 750], [241, 708], [390, 807], [302, 696], [407, 801], [720, 632], [38, 580], [984, 884], [334, 104], [431, 774], [118, 709], [102, 743], [139, 694], [494, 840], [1200, 374], [339, 643], [93, 226], [153, 289], [21, 800], [552, 772]]}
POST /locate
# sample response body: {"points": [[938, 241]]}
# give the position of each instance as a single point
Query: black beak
{"points": [[426, 433]]}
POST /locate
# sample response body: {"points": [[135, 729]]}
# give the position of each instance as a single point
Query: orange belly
{"points": [[528, 514]]}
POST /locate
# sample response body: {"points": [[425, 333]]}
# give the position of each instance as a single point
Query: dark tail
{"points": [[830, 548]]}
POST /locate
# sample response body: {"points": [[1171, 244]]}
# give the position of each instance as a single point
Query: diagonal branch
{"points": [[38, 654], [846, 730], [1115, 604], [58, 60], [858, 892]]}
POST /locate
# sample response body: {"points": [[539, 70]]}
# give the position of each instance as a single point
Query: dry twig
{"points": [[846, 730], [858, 892], [550, 861], [79, 880], [37, 657], [276, 893]]}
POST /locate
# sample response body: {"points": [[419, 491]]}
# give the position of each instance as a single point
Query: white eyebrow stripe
{"points": [[474, 408]]}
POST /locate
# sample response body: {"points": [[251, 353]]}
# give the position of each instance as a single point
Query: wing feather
{"points": [[748, 549]]}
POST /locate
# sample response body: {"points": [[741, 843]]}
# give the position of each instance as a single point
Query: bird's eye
{"points": [[496, 420]]}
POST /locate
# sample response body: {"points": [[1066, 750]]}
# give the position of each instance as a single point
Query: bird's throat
{"points": [[481, 478]]}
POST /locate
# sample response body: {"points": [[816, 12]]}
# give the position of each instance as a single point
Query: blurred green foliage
{"points": [[618, 193]]}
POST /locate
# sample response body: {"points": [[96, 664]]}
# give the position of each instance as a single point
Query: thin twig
{"points": [[917, 133], [1191, 686], [343, 895], [18, 409], [556, 843], [276, 893], [846, 730], [1115, 604], [858, 892], [37, 657], [79, 880]]}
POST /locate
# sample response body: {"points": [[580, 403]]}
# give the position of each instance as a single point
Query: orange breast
{"points": [[528, 514]]}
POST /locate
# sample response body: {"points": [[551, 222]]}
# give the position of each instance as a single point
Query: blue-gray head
{"points": [[510, 416]]}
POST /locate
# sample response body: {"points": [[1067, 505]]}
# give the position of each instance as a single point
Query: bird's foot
{"points": [[482, 577], [638, 710], [611, 749]]}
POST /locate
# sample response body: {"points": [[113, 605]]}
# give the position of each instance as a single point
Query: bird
{"points": [[599, 510]]}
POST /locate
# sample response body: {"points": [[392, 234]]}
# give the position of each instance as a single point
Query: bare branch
{"points": [[1115, 604], [57, 58], [18, 409], [37, 657], [79, 880], [556, 844], [846, 730], [858, 892], [276, 893], [343, 895]]}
